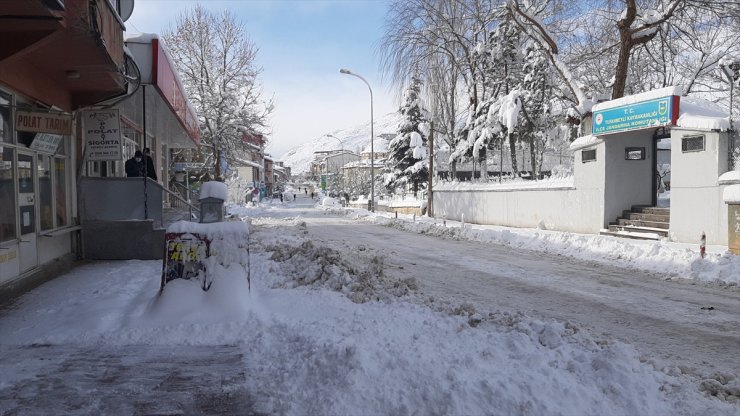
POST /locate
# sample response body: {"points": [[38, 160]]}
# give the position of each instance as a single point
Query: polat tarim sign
{"points": [[645, 114], [34, 122]]}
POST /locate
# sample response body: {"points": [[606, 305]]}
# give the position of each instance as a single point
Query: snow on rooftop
{"points": [[645, 96], [700, 114], [731, 194], [585, 141], [141, 37], [730, 177]]}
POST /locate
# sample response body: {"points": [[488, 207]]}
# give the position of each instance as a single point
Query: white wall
{"points": [[605, 187], [565, 209], [588, 177], [696, 197]]}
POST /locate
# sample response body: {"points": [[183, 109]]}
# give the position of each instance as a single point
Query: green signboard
{"points": [[323, 182], [645, 114]]}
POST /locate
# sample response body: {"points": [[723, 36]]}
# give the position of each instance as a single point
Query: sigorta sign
{"points": [[43, 123], [102, 134]]}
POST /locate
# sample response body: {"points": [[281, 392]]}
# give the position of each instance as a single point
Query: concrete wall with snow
{"points": [[565, 209], [696, 196]]}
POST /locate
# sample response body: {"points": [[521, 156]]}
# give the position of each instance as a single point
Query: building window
{"points": [[634, 153], [60, 191], [45, 196], [7, 195], [692, 144], [588, 155], [5, 118]]}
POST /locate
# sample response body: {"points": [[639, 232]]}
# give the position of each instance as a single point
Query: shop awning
{"points": [[169, 115]]}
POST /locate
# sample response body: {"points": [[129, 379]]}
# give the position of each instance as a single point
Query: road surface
{"points": [[686, 324]]}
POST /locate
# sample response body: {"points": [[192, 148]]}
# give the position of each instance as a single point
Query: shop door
{"points": [[28, 253]]}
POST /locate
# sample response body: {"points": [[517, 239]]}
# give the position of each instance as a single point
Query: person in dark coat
{"points": [[135, 166], [150, 171]]}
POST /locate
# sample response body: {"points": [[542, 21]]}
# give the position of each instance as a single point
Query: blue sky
{"points": [[302, 44]]}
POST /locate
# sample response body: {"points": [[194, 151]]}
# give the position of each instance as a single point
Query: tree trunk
{"points": [[483, 160], [623, 61], [533, 157], [512, 150], [216, 165]]}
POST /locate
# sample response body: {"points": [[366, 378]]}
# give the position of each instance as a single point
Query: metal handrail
{"points": [[181, 199], [185, 188]]}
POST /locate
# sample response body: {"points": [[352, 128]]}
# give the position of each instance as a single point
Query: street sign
{"points": [[646, 114]]}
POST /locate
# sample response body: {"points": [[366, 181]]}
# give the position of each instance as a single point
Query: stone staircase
{"points": [[641, 222]]}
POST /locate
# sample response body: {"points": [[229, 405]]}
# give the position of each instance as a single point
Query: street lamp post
{"points": [[372, 139], [341, 143]]}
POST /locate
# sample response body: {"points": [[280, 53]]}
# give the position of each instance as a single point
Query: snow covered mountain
{"points": [[356, 139]]}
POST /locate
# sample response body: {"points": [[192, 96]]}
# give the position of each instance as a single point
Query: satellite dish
{"points": [[125, 9]]}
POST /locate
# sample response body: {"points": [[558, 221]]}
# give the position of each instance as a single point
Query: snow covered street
{"points": [[352, 313]]}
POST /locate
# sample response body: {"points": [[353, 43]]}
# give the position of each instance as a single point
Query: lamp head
{"points": [[345, 71]]}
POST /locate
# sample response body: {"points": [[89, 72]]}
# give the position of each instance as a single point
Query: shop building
{"points": [[55, 59], [75, 103]]}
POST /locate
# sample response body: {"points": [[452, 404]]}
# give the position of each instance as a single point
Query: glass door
{"points": [[28, 255]]}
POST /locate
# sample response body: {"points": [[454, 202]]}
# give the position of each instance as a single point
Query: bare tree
{"points": [[216, 61]]}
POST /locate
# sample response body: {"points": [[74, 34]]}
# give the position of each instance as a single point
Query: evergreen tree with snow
{"points": [[538, 89], [492, 121], [407, 162]]}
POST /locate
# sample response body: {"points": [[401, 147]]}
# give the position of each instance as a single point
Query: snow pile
{"points": [[330, 202]]}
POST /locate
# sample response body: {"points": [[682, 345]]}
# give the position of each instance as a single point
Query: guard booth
{"points": [[619, 163]]}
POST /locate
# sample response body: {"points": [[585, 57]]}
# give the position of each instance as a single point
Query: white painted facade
{"points": [[696, 196], [605, 187]]}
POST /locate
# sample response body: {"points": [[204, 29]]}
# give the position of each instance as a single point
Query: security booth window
{"points": [[7, 195], [634, 153], [692, 144], [588, 155]]}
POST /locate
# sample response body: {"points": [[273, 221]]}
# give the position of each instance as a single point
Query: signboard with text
{"points": [[101, 131], [652, 113], [45, 142], [43, 123]]}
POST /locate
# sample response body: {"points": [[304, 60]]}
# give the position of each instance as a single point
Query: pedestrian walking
{"points": [[135, 166], [150, 171]]}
